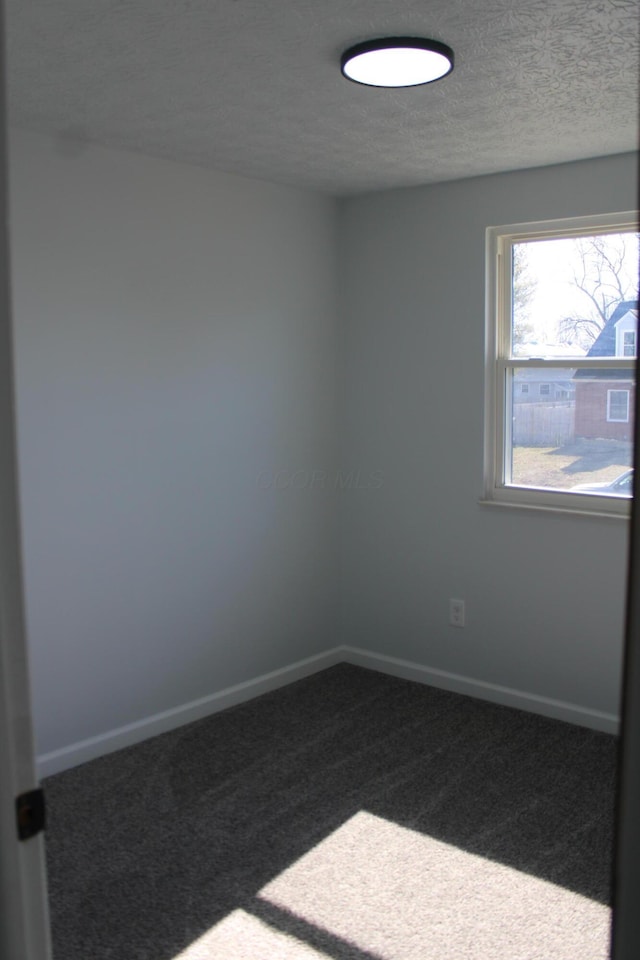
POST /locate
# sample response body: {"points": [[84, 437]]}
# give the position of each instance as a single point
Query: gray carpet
{"points": [[350, 816]]}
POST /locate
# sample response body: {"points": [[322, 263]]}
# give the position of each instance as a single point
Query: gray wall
{"points": [[175, 349], [186, 363], [544, 592]]}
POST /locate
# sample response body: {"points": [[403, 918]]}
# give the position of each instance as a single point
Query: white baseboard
{"points": [[71, 756], [531, 702], [76, 753]]}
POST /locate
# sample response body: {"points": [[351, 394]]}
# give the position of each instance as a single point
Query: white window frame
{"points": [[500, 364], [611, 419]]}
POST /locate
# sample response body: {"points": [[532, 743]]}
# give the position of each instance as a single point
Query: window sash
{"points": [[504, 401]]}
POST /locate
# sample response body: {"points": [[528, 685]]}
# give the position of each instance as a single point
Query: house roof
{"points": [[605, 345]]}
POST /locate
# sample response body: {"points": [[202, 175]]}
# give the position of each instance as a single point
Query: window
{"points": [[629, 343], [562, 310], [618, 406]]}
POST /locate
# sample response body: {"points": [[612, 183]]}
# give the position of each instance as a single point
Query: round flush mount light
{"points": [[397, 62]]}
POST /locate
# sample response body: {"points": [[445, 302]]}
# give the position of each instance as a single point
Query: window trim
{"points": [[498, 291]]}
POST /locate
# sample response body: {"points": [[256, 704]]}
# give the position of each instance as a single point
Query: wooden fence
{"points": [[543, 424]]}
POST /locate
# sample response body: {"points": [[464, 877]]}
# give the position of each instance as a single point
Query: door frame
{"points": [[24, 930]]}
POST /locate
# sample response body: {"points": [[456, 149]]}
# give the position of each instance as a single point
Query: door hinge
{"points": [[30, 813]]}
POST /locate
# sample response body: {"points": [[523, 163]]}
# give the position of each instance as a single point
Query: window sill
{"points": [[567, 510]]}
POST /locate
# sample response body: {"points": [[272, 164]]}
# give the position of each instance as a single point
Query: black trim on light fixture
{"points": [[399, 43]]}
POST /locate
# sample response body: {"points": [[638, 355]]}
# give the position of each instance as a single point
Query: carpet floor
{"points": [[348, 816]]}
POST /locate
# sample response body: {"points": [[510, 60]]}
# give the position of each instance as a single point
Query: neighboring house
{"points": [[532, 385], [605, 398]]}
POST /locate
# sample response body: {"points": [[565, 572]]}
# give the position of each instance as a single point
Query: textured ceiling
{"points": [[254, 87]]}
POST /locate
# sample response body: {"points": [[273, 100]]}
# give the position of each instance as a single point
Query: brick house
{"points": [[605, 399]]}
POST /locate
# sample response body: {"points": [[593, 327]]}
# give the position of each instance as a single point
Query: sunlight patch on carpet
{"points": [[243, 937], [404, 896]]}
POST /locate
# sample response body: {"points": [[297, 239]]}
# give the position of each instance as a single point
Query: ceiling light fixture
{"points": [[397, 62]]}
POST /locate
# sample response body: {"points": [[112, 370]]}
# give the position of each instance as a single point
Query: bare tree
{"points": [[604, 275], [524, 288]]}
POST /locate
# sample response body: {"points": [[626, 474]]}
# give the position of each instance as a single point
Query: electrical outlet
{"points": [[456, 613]]}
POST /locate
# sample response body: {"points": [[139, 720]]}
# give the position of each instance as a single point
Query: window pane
{"points": [[578, 436], [565, 292]]}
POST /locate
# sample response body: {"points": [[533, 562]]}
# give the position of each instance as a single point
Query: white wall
{"points": [[179, 347], [544, 593], [175, 348]]}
